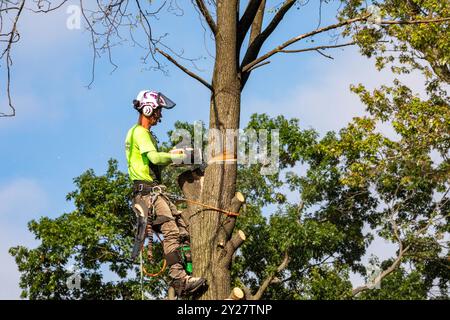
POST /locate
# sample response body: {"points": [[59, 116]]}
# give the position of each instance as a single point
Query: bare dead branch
{"points": [[49, 7], [257, 23], [207, 15], [390, 22], [319, 48], [324, 55], [287, 5], [148, 30], [256, 45], [262, 64], [8, 59], [184, 69], [94, 50], [105, 22], [244, 24], [281, 47]]}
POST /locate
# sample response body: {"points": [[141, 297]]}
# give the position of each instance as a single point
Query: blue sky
{"points": [[62, 128]]}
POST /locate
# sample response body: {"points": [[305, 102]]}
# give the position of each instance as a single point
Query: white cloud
{"points": [[46, 31], [20, 201], [30, 111], [9, 275]]}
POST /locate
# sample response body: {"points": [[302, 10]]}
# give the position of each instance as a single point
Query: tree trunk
{"points": [[210, 256]]}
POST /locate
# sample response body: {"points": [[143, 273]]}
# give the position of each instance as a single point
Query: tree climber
{"points": [[150, 204]]}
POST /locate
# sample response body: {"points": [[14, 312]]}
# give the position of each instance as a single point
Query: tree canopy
{"points": [[358, 183]]}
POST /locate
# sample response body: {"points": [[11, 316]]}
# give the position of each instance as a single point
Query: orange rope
{"points": [[155, 274], [148, 274], [228, 213]]}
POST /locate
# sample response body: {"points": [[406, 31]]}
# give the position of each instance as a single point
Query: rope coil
{"points": [[150, 257]]}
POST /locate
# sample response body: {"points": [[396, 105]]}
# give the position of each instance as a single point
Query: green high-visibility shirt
{"points": [[141, 147]]}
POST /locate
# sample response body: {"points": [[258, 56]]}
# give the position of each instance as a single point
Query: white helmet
{"points": [[147, 101]]}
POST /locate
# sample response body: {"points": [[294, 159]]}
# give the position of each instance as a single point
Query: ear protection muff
{"points": [[147, 110]]}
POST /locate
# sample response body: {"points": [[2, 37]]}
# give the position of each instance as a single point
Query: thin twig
{"points": [[204, 10], [9, 61], [185, 70], [301, 37]]}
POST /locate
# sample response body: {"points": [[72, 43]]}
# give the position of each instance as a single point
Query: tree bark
{"points": [[257, 22], [219, 181]]}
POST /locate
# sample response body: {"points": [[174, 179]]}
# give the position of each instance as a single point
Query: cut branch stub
{"points": [[236, 294], [236, 203], [232, 245], [191, 183]]}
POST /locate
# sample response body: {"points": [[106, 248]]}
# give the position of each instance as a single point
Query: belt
{"points": [[145, 187]]}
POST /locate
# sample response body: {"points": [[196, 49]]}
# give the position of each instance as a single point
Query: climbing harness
{"points": [[183, 254], [154, 191]]}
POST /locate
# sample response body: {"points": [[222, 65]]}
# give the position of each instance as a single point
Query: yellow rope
{"points": [[228, 213]]}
